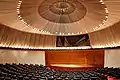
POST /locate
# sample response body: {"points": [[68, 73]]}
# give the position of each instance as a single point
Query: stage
{"points": [[72, 67]]}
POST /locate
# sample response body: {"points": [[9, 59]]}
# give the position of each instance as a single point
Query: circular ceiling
{"points": [[59, 17], [63, 17]]}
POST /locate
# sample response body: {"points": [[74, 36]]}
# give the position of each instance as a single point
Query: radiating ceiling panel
{"points": [[16, 39], [109, 37]]}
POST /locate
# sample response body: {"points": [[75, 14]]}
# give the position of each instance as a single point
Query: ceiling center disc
{"points": [[62, 11], [62, 8]]}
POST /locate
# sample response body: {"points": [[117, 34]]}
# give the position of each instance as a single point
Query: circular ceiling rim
{"points": [[11, 45]]}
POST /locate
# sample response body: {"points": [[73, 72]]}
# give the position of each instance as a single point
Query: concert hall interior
{"points": [[59, 39]]}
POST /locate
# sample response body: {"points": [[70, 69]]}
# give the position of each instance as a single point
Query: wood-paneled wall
{"points": [[94, 58]]}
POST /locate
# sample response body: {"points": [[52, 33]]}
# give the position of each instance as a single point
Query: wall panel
{"points": [[23, 57], [112, 58], [82, 58]]}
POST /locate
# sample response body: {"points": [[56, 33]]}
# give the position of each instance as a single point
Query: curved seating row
{"points": [[39, 72]]}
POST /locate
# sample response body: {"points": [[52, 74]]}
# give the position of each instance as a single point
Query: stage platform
{"points": [[72, 67]]}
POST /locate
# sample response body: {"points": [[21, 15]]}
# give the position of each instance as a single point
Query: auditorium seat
{"points": [[39, 72], [114, 72]]}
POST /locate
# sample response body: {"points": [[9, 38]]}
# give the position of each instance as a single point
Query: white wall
{"points": [[29, 57], [112, 58]]}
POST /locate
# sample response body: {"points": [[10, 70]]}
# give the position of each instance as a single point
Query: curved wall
{"points": [[23, 57], [112, 58]]}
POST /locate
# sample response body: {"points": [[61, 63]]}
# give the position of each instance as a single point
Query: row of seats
{"points": [[39, 72], [114, 72]]}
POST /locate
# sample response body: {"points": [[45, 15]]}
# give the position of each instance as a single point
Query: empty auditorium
{"points": [[59, 39]]}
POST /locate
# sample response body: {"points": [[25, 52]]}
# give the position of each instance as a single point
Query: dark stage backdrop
{"points": [[73, 41]]}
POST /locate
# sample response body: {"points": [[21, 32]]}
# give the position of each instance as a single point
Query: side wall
{"points": [[112, 58], [15, 56]]}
